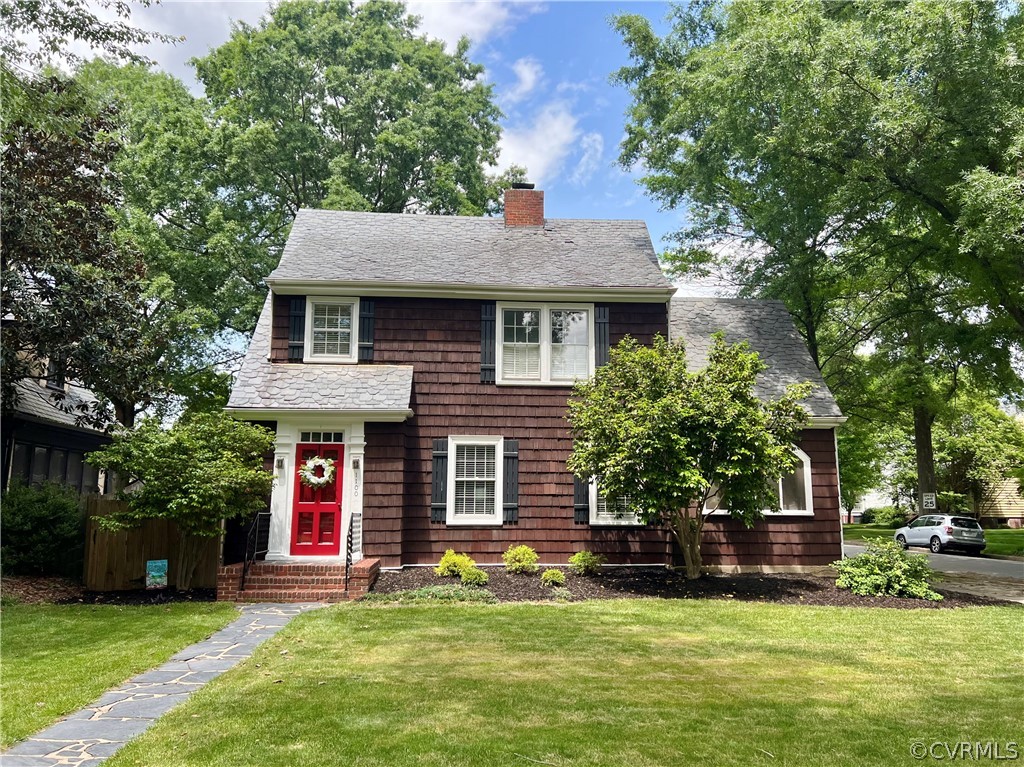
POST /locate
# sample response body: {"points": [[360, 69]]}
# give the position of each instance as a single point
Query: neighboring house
{"points": [[432, 357], [43, 442], [1003, 505]]}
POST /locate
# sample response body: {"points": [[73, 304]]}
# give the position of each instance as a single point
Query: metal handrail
{"points": [[251, 544], [348, 550]]}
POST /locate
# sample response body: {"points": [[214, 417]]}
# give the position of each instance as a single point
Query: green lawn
{"points": [[58, 658], [1001, 542], [633, 682]]}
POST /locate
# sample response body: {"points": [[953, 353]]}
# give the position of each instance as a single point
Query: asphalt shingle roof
{"points": [[768, 328], [39, 402], [261, 384], [465, 250]]}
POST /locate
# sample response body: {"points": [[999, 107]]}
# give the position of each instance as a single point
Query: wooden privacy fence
{"points": [[117, 561]]}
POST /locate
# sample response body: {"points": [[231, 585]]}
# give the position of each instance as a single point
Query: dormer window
{"points": [[331, 330], [55, 377], [545, 343]]}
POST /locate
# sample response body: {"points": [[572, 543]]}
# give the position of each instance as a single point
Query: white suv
{"points": [[942, 531]]}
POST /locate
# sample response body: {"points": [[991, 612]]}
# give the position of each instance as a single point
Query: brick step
{"points": [[290, 582], [293, 595], [326, 571]]}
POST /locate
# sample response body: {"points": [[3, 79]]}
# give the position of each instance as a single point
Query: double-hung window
{"points": [[545, 343], [331, 329], [794, 491], [475, 480]]}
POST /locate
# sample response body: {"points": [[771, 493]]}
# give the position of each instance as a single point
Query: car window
{"points": [[921, 522], [965, 522]]}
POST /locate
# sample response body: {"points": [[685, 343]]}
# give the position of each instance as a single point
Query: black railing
{"points": [[348, 549], [252, 545]]}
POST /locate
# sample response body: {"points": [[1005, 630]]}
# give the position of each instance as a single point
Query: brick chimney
{"points": [[524, 206]]}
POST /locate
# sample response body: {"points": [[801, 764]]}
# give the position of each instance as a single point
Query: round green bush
{"points": [[452, 565], [552, 578], [521, 560], [43, 530], [585, 563], [885, 569], [474, 576]]}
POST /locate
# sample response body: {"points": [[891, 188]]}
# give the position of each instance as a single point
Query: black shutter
{"points": [[487, 334], [439, 481], [580, 501], [366, 309], [511, 491], [602, 339], [296, 327]]}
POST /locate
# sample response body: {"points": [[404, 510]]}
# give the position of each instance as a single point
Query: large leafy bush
{"points": [[43, 530], [885, 569]]}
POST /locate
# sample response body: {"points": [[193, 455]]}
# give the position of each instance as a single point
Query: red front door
{"points": [[316, 511]]}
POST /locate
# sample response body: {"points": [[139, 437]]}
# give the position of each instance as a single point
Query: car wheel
{"points": [[935, 545], [902, 541]]}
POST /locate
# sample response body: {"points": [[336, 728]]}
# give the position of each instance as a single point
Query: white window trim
{"points": [[495, 518], [595, 521], [545, 310], [307, 346], [808, 512]]}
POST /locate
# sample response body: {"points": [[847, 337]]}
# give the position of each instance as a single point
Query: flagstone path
{"points": [[88, 737]]}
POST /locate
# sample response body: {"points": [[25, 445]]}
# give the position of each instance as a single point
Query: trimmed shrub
{"points": [[585, 563], [474, 576], [885, 569], [561, 594], [452, 565], [552, 578], [521, 560], [43, 530]]}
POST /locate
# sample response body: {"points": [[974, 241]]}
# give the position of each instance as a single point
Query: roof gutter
{"points": [[826, 421], [378, 416], [448, 290]]}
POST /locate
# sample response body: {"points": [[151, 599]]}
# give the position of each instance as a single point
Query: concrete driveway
{"points": [[960, 563]]}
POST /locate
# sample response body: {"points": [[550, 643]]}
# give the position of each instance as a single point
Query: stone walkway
{"points": [[1009, 589], [90, 736]]}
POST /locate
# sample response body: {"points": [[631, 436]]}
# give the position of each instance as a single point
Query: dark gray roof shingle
{"points": [[464, 250], [37, 401], [768, 328], [263, 385]]}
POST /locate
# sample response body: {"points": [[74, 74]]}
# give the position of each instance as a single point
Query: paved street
{"points": [[960, 563]]}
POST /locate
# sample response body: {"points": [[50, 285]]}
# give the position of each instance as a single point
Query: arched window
{"points": [[795, 497]]}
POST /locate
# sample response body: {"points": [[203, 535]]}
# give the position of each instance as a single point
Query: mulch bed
{"points": [[32, 589], [625, 582]]}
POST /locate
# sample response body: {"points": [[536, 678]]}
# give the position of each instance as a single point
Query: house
{"points": [[429, 360], [43, 440]]}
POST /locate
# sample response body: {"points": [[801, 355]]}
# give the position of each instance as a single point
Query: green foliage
{"points": [[520, 560], [452, 564], [206, 468], [447, 594], [552, 577], [885, 569], [561, 594], [586, 563], [666, 437], [888, 516], [866, 160], [474, 576], [43, 530]]}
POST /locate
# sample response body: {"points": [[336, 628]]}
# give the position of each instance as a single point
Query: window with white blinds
{"points": [[545, 343], [474, 480], [606, 512]]}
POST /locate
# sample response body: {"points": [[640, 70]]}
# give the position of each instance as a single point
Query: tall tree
{"points": [[846, 146]]}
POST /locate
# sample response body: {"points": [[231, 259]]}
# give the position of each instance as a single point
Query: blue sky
{"points": [[550, 64]]}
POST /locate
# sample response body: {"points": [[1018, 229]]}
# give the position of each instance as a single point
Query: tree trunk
{"points": [[687, 534], [190, 551], [925, 456]]}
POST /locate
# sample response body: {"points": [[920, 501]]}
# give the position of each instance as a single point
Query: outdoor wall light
{"points": [[355, 464], [279, 463]]}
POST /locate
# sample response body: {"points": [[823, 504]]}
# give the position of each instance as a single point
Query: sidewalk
{"points": [[88, 737], [980, 585]]}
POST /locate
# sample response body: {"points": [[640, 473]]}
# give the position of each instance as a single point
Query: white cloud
{"points": [[477, 19], [528, 74], [592, 145], [542, 145]]}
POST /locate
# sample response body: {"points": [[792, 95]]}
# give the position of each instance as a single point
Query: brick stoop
{"points": [[296, 582]]}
